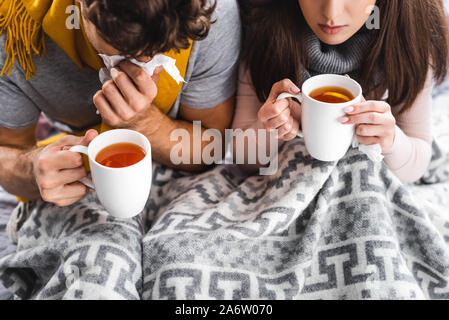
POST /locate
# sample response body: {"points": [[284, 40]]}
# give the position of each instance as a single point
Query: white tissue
{"points": [[374, 152], [159, 60]]}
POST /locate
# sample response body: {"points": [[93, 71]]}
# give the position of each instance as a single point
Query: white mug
{"points": [[122, 191], [326, 138]]}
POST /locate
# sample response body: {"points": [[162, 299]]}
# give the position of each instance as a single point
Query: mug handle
{"points": [[298, 97], [86, 181]]}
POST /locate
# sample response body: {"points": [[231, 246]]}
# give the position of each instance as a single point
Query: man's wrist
{"points": [[150, 122], [29, 162], [19, 177]]}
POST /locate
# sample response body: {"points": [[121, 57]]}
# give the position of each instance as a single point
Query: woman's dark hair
{"points": [[148, 27], [413, 38]]}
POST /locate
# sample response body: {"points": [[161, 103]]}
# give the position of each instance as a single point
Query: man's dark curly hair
{"points": [[139, 28]]}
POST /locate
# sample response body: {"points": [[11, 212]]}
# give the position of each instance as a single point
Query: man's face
{"points": [[96, 41], [91, 32]]}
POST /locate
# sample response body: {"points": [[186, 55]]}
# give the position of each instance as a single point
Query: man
{"points": [[64, 84], [64, 92]]}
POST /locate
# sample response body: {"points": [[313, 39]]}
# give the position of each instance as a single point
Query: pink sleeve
{"points": [[248, 104], [245, 117], [411, 153]]}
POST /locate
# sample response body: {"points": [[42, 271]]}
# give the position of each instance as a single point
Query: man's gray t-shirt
{"points": [[64, 93]]}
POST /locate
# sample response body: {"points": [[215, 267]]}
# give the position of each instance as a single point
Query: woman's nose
{"points": [[332, 9]]}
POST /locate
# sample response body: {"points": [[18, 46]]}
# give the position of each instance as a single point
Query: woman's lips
{"points": [[331, 30]]}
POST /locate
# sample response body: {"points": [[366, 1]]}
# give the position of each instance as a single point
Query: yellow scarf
{"points": [[26, 21]]}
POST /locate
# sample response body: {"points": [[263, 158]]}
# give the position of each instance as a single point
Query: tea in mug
{"points": [[332, 95], [120, 155]]}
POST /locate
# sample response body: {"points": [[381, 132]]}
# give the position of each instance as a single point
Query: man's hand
{"points": [[58, 170], [127, 98], [127, 102]]}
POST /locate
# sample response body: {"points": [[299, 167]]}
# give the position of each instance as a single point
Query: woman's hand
{"points": [[283, 115], [374, 123]]}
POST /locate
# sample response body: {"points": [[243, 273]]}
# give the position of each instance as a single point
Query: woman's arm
{"points": [[247, 105], [245, 116], [405, 139], [411, 153], [254, 115]]}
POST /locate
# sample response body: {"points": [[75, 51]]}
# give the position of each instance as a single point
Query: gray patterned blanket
{"points": [[316, 230], [7, 204]]}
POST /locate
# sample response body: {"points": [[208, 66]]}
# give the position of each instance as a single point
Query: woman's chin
{"points": [[333, 39]]}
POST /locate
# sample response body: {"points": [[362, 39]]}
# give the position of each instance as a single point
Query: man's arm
{"points": [[17, 149], [51, 173], [159, 131]]}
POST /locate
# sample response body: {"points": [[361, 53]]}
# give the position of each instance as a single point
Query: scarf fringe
{"points": [[24, 38]]}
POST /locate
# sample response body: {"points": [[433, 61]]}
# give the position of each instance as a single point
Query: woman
{"points": [[312, 230], [293, 40]]}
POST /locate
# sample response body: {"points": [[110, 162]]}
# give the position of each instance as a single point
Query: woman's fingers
{"points": [[283, 115], [296, 110], [368, 141], [368, 106], [370, 130], [272, 110], [279, 120], [283, 86], [290, 129], [285, 128], [366, 118], [276, 113], [289, 136]]}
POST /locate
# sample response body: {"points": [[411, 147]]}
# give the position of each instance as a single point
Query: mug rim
{"points": [[307, 95], [147, 154]]}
